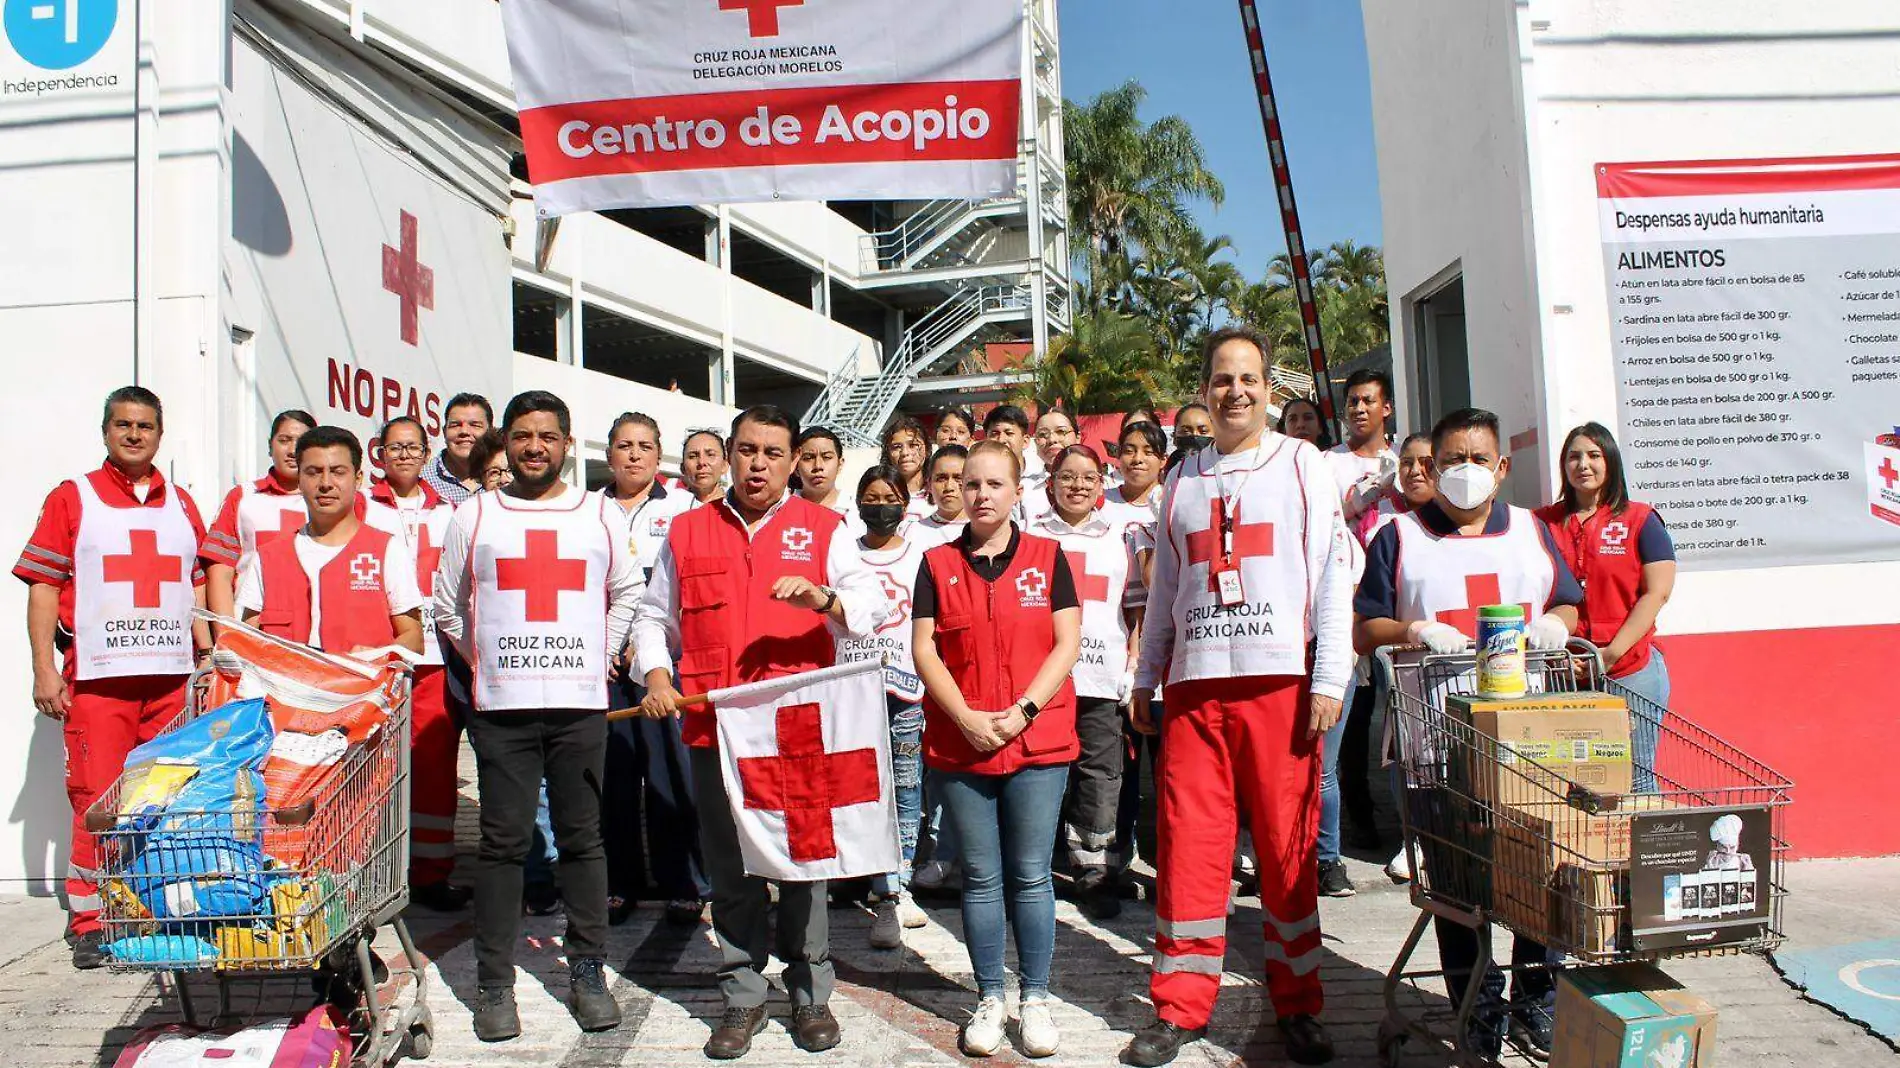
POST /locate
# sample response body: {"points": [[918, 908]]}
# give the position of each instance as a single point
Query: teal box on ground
{"points": [[1630, 1016]]}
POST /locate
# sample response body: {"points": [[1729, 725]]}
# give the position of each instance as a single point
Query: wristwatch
{"points": [[1030, 709], [831, 598]]}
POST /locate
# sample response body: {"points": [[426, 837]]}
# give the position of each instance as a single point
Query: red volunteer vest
{"points": [[1601, 552], [355, 602], [731, 630], [993, 638]]}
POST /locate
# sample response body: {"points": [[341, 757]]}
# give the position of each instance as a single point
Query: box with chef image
{"points": [[1699, 876]]}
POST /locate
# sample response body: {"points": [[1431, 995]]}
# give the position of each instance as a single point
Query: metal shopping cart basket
{"points": [[1688, 861], [333, 833]]}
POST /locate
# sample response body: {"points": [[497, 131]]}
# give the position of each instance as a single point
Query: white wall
{"points": [[1461, 171], [595, 400]]}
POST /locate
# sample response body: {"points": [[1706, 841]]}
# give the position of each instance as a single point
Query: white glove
{"points": [[1547, 633], [1439, 637], [1127, 688]]}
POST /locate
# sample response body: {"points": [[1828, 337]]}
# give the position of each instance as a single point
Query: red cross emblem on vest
{"points": [[1088, 587], [427, 557], [761, 15], [542, 575], [289, 522], [405, 276], [366, 570], [797, 539], [1480, 591], [808, 784], [1887, 472], [899, 597], [1032, 584], [145, 568], [1205, 546]]}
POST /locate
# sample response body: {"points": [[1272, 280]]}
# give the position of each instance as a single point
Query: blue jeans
{"points": [[1651, 681], [1329, 780], [943, 833], [907, 778], [1007, 827], [538, 867]]}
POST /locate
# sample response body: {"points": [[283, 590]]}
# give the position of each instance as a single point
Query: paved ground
{"points": [[903, 1007]]}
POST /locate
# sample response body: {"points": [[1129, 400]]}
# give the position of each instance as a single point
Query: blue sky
{"points": [[1191, 56]]}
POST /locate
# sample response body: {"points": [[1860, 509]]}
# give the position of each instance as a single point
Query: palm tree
{"points": [[1345, 265], [1106, 363], [1130, 181]]}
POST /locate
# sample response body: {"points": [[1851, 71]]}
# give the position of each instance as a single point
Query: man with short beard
{"points": [[536, 588]]}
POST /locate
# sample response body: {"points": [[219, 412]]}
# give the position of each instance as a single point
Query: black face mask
{"points": [[1192, 442], [881, 519]]}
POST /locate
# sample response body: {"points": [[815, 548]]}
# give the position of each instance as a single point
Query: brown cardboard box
{"points": [[1590, 909], [1630, 1016], [1563, 873], [1581, 738]]}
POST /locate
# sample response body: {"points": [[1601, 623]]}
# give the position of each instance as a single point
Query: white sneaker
{"points": [[1039, 1033], [908, 914], [937, 875], [886, 933], [1399, 868], [984, 1034]]}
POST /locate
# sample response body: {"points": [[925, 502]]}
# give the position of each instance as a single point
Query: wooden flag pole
{"points": [[685, 702]]}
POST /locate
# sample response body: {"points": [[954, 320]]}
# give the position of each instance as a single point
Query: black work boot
{"points": [[495, 1016], [1159, 1043], [587, 997]]}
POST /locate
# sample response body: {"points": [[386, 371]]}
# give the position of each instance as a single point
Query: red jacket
{"points": [[1601, 552], [993, 638], [731, 629], [355, 601]]}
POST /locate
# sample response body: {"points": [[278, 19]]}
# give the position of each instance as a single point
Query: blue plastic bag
{"points": [[228, 746], [193, 876]]}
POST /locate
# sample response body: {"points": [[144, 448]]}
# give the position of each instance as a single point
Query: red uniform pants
{"points": [[108, 718], [435, 744], [1228, 747]]}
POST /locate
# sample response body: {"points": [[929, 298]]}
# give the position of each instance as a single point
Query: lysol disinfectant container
{"points": [[1501, 637]]}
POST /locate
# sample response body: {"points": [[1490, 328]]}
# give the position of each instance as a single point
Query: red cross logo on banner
{"points": [[542, 575], [761, 15], [1480, 591], [405, 276], [1031, 584], [1250, 540], [145, 568], [366, 569], [289, 522], [427, 556], [1887, 472], [807, 784], [1088, 587]]}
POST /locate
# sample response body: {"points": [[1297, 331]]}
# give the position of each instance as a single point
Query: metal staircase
{"points": [[857, 407], [942, 234]]}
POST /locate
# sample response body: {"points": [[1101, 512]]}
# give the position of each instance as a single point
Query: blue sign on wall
{"points": [[59, 34]]}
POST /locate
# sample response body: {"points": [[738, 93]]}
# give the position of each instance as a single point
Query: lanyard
{"points": [[1229, 506]]}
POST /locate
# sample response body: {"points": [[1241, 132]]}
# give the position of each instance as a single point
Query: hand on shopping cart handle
{"points": [[1441, 638], [1325, 712]]}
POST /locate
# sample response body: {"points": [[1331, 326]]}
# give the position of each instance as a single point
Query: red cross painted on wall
{"points": [[808, 784], [1088, 587], [289, 522], [405, 276], [1887, 472], [1250, 540], [542, 575], [1480, 591], [145, 568], [427, 556], [761, 15]]}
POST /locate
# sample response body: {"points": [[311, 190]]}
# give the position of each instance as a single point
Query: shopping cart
{"points": [[1494, 836], [338, 857]]}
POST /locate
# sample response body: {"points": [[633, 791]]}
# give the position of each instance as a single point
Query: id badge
{"points": [[1228, 587]]}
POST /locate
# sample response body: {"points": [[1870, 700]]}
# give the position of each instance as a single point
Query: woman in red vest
{"points": [[1621, 551], [996, 634]]}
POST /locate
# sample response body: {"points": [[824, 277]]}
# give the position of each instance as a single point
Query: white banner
{"points": [[807, 766], [636, 103]]}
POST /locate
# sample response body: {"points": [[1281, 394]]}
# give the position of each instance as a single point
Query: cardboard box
{"points": [[1581, 738], [1590, 909], [1536, 845], [1630, 1016]]}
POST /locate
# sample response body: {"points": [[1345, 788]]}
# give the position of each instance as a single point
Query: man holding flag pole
{"points": [[754, 587]]}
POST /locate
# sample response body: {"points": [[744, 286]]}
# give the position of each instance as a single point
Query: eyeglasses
{"points": [[404, 449], [1050, 435], [1084, 481]]}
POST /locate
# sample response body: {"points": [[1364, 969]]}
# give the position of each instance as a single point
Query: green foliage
{"points": [[1151, 284]]}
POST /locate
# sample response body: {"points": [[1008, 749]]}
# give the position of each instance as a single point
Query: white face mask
{"points": [[1467, 485]]}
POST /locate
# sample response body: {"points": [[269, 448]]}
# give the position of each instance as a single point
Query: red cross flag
{"points": [[639, 103], [807, 767]]}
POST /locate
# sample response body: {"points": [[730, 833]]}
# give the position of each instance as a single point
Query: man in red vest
{"points": [[755, 585], [111, 583], [338, 584]]}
